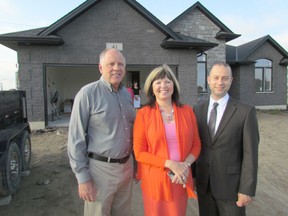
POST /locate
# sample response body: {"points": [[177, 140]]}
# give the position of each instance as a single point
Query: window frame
{"points": [[262, 68], [204, 63]]}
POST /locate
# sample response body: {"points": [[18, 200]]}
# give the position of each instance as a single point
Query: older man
{"points": [[100, 140]]}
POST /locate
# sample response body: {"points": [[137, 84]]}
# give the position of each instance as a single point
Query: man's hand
{"points": [[87, 191], [243, 200]]}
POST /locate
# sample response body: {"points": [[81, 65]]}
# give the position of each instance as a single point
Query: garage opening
{"points": [[62, 82]]}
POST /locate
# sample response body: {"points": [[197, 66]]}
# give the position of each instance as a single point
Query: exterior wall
{"points": [[235, 86], [196, 24], [277, 98], [110, 21], [30, 75], [246, 85]]}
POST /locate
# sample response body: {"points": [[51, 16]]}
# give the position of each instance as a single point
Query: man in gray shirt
{"points": [[100, 140]]}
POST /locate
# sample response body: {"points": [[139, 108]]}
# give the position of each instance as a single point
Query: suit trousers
{"points": [[113, 183], [211, 206]]}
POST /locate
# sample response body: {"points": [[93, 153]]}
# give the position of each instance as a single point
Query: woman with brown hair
{"points": [[166, 143]]}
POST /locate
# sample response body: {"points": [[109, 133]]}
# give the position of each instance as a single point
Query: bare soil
{"points": [[51, 188]]}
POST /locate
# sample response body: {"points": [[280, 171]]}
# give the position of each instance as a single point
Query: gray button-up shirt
{"points": [[101, 122]]}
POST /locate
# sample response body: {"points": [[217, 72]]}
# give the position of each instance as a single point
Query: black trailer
{"points": [[15, 142]]}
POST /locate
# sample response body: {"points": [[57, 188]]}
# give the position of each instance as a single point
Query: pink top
{"points": [[130, 90], [172, 142]]}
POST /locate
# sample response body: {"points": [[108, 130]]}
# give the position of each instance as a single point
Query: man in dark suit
{"points": [[226, 170]]}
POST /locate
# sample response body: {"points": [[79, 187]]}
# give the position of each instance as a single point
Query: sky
{"points": [[252, 19]]}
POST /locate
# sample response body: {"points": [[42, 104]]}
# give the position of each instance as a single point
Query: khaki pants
{"points": [[113, 183]]}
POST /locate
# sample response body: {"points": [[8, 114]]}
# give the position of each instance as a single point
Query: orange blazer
{"points": [[151, 150]]}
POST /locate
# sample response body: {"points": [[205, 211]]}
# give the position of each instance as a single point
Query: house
{"points": [[260, 73], [56, 61]]}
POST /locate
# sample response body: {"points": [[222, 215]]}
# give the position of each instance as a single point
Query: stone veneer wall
{"points": [[196, 24]]}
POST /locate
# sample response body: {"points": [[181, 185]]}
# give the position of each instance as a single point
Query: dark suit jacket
{"points": [[230, 160]]}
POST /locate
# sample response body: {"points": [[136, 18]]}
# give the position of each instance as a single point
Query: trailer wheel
{"points": [[10, 178], [25, 147]]}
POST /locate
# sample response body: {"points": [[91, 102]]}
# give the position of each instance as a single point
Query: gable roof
{"points": [[241, 53], [187, 42], [48, 35], [224, 33], [29, 37], [88, 4]]}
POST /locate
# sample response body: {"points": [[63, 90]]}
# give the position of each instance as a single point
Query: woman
{"points": [[136, 90], [130, 90], [165, 139]]}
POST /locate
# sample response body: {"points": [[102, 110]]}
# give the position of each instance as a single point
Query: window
{"points": [[263, 75], [202, 73]]}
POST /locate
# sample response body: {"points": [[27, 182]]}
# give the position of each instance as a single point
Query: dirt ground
{"points": [[51, 188]]}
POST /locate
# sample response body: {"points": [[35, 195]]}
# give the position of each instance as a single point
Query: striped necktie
{"points": [[212, 120]]}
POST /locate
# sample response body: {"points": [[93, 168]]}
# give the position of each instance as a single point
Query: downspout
{"points": [[236, 54]]}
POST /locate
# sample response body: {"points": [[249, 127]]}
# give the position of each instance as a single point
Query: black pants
{"points": [[210, 206]]}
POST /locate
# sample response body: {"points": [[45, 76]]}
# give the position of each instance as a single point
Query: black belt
{"points": [[108, 159]]}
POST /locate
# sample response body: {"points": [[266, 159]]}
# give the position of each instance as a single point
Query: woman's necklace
{"points": [[168, 115]]}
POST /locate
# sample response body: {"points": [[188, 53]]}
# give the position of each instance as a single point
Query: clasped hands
{"points": [[181, 171]]}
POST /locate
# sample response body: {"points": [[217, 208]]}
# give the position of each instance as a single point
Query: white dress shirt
{"points": [[222, 103]]}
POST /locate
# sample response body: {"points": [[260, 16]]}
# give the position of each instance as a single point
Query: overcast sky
{"points": [[252, 19]]}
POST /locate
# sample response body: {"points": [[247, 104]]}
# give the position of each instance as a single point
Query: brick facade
{"points": [[87, 36]]}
